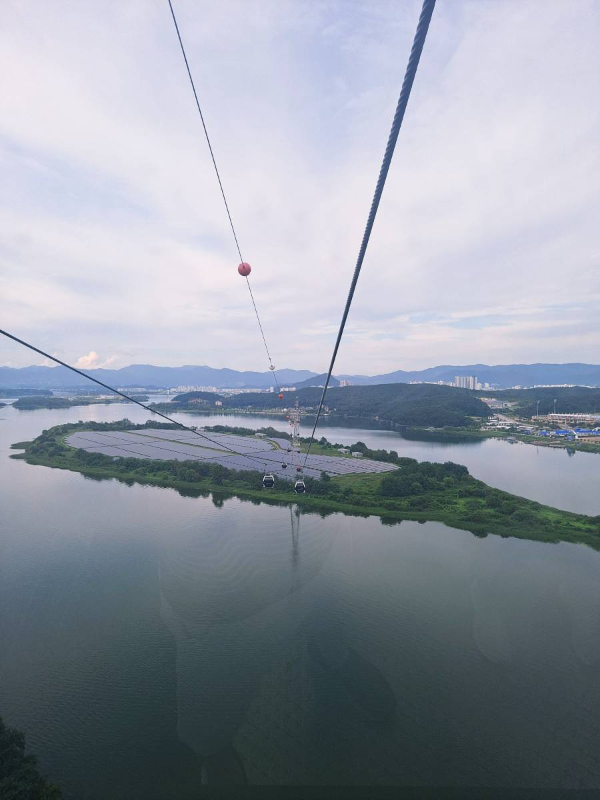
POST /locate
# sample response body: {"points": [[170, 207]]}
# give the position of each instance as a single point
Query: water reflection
{"points": [[255, 626], [234, 601]]}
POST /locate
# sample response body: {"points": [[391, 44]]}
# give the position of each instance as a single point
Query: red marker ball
{"points": [[280, 397], [244, 269]]}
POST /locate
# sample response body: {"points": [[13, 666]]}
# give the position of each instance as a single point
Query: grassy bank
{"points": [[415, 491]]}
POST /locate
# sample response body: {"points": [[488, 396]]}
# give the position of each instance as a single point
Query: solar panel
{"points": [[169, 445]]}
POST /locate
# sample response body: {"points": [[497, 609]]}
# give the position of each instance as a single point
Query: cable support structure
{"points": [[409, 77], [126, 396], [223, 195]]}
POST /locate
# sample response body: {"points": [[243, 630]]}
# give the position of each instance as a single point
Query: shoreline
{"points": [[438, 493]]}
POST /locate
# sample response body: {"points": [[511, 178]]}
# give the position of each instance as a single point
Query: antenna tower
{"points": [[295, 426]]}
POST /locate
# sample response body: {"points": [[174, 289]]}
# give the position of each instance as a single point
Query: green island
{"points": [[35, 402], [420, 491]]}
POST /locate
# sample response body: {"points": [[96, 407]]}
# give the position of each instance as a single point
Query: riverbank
{"points": [[420, 491], [465, 434]]}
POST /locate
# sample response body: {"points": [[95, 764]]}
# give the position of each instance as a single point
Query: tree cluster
{"points": [[19, 776]]}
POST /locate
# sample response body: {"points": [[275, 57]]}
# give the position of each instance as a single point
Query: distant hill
{"points": [[148, 376], [401, 403], [502, 375], [317, 380]]}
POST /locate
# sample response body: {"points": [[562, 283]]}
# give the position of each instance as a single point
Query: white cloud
{"points": [[94, 361], [114, 238]]}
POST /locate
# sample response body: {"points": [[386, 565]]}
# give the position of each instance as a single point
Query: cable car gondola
{"points": [[300, 486], [268, 481]]}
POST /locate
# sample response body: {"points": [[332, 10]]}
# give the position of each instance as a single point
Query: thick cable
{"points": [[122, 394], [409, 76], [214, 161]]}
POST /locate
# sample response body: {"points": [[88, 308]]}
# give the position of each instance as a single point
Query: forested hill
{"points": [[569, 399], [401, 403]]}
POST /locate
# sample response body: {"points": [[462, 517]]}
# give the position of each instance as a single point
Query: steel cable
{"points": [[214, 161], [409, 76], [122, 394]]}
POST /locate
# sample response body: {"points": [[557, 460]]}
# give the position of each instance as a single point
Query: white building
{"points": [[356, 454], [466, 382]]}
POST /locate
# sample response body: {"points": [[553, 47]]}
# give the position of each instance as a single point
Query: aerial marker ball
{"points": [[244, 269], [280, 397]]}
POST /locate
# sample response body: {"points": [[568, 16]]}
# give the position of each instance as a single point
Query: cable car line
{"points": [[243, 264], [407, 83], [122, 394]]}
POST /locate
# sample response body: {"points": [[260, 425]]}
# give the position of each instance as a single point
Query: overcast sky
{"points": [[114, 244]]}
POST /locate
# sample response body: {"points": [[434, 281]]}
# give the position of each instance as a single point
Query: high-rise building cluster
{"points": [[467, 382]]}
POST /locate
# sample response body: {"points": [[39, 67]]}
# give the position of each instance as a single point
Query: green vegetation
{"points": [[19, 775], [569, 399], [397, 403], [418, 491], [33, 403], [237, 431], [38, 401]]}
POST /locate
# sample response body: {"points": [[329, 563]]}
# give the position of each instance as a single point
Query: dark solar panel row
{"points": [[125, 443]]}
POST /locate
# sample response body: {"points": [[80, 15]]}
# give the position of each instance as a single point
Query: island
{"points": [[401, 488], [35, 402]]}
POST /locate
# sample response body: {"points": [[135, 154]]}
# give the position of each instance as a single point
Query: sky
{"points": [[114, 244]]}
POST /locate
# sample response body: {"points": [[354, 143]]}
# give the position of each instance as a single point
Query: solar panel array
{"points": [[250, 454]]}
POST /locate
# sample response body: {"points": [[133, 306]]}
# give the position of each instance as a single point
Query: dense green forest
{"points": [[569, 399], [416, 490], [400, 403], [32, 403], [19, 775]]}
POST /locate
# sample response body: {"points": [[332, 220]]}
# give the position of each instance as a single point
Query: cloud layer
{"points": [[114, 240]]}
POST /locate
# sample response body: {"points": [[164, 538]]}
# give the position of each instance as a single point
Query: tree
{"points": [[19, 775]]}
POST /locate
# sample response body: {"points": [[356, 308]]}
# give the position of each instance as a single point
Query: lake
{"points": [[152, 643]]}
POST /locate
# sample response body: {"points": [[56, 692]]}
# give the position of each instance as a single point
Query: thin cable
{"points": [[122, 394], [262, 333], [214, 161], [212, 155], [409, 76]]}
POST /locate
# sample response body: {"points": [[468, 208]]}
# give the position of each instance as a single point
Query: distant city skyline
{"points": [[114, 246]]}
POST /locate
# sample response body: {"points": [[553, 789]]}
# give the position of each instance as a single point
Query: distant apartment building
{"points": [[466, 382], [345, 383]]}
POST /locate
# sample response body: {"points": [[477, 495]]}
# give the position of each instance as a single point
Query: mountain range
{"points": [[149, 376]]}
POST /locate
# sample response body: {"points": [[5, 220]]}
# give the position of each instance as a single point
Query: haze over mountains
{"points": [[146, 375]]}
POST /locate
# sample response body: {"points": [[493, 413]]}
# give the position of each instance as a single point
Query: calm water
{"points": [[151, 641]]}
